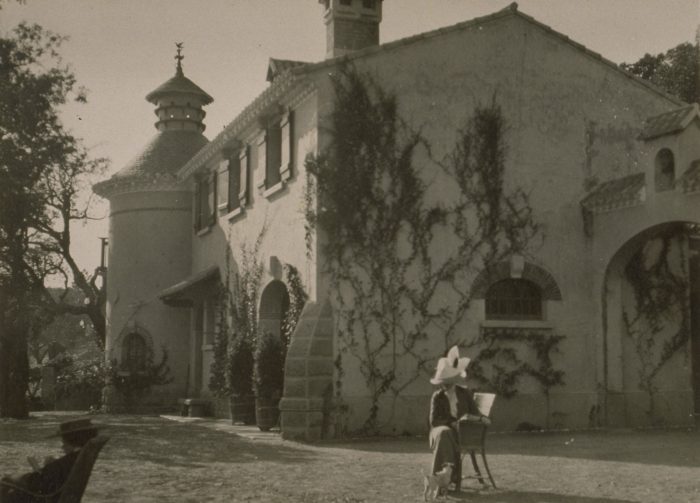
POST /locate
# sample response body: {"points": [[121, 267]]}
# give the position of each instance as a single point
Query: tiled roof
{"points": [[165, 154], [277, 66], [690, 180], [177, 295], [669, 122], [615, 194], [284, 85], [179, 84]]}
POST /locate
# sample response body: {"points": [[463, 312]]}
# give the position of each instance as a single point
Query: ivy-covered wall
{"points": [[571, 123]]}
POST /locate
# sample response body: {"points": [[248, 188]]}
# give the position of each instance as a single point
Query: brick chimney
{"points": [[351, 25]]}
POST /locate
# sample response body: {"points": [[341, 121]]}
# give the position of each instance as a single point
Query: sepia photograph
{"points": [[350, 251]]}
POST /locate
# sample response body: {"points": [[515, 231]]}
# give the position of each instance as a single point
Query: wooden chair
{"points": [[73, 488], [472, 438]]}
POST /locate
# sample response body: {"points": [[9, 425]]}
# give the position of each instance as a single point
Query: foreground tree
{"points": [[43, 171], [677, 71]]}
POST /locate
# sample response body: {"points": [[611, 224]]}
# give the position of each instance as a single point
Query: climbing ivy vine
{"points": [[393, 281], [661, 301], [297, 301], [237, 317]]}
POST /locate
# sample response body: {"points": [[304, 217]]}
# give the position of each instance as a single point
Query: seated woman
{"points": [[452, 402], [49, 478]]}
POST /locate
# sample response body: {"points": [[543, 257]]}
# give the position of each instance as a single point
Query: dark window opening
{"points": [[205, 202], [273, 156], [664, 170]]}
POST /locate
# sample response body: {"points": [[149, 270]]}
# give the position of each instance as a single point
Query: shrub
{"points": [[268, 375], [218, 380], [240, 367], [133, 385], [81, 378]]}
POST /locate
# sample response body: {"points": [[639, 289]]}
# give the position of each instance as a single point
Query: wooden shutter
{"points": [[211, 199], [197, 205], [261, 168], [222, 185], [244, 166], [234, 181], [287, 145]]}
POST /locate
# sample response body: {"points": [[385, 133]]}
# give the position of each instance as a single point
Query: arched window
{"points": [[664, 170], [514, 299], [135, 352]]}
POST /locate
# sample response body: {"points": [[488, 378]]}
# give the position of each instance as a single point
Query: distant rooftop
{"points": [[669, 122], [618, 193]]}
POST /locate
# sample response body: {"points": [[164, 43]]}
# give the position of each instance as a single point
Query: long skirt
{"points": [[445, 446]]}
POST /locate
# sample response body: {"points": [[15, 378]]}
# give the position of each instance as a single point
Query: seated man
{"points": [[49, 478], [454, 401]]}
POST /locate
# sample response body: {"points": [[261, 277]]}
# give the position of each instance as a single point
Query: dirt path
{"points": [[152, 459]]}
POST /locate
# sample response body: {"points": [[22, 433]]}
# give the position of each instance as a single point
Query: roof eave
{"points": [[282, 85]]}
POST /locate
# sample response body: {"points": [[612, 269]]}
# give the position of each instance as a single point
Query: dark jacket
{"points": [[47, 480], [440, 414]]}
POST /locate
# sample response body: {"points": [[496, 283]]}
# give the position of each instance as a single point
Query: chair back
{"points": [[74, 486], [484, 401]]}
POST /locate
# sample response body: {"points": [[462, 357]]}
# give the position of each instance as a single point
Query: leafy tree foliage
{"points": [[44, 170], [676, 71]]}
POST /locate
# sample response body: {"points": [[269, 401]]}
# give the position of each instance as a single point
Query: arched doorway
{"points": [[651, 320], [274, 304]]}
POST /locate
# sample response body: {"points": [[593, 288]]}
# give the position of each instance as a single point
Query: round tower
{"points": [[150, 237]]}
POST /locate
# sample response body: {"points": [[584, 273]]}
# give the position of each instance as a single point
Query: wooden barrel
{"points": [[267, 413], [242, 409]]}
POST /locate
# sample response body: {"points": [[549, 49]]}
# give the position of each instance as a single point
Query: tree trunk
{"points": [[15, 297], [14, 359], [14, 373]]}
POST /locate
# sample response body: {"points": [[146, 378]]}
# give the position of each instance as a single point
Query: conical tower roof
{"points": [[179, 138], [179, 84]]}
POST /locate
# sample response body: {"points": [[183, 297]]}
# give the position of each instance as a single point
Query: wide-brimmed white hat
{"points": [[451, 369]]}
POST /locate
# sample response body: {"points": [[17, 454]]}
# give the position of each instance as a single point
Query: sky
{"points": [[120, 50]]}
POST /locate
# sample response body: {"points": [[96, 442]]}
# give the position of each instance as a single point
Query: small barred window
{"points": [[514, 299], [135, 352]]}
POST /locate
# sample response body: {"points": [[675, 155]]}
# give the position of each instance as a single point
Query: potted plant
{"points": [[268, 380], [240, 381]]}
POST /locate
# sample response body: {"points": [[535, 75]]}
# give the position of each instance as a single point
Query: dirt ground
{"points": [[152, 459]]}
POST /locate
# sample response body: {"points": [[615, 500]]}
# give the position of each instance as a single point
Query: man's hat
{"points": [[74, 426], [451, 369]]}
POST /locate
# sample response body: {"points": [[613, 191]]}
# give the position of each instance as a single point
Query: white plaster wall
{"points": [[572, 121], [149, 240], [282, 213]]}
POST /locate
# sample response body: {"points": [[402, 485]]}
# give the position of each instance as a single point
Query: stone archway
{"points": [[649, 367]]}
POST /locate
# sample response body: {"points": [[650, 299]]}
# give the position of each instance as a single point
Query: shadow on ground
{"points": [[191, 445], [658, 447], [150, 439], [498, 496]]}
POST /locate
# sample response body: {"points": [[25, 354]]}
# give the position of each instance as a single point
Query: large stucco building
{"points": [[608, 161]]}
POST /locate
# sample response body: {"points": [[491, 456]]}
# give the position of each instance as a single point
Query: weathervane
{"points": [[179, 57]]}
